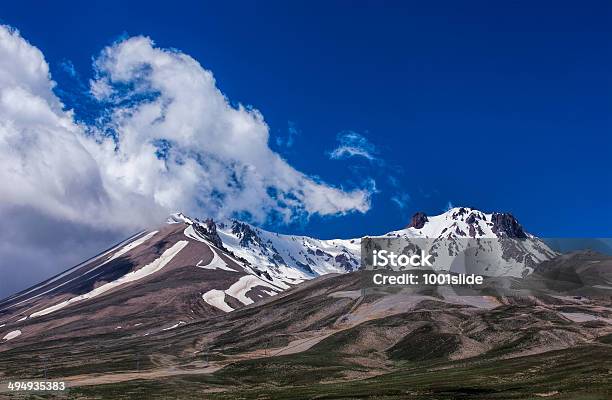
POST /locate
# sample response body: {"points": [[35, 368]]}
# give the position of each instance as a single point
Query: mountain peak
{"points": [[465, 222], [418, 220], [178, 218], [507, 225]]}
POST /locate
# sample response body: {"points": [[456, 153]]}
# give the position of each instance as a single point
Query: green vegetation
{"points": [[582, 373]]}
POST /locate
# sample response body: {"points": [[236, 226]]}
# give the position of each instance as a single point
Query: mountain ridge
{"points": [[193, 268], [228, 304]]}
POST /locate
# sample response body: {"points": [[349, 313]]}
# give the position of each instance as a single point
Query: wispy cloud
{"points": [[402, 200], [288, 140], [68, 67], [353, 144]]}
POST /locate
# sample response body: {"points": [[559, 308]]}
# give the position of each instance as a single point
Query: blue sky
{"points": [[499, 107]]}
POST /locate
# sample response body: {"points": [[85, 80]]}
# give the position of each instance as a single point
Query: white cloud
{"points": [[46, 164], [179, 145], [353, 144], [217, 159], [23, 66]]}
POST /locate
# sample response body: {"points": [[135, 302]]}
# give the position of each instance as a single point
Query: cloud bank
{"points": [[180, 143], [168, 140]]}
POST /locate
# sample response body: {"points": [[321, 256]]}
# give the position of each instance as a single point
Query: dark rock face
{"points": [[475, 229], [345, 261], [262, 273], [473, 224], [504, 224], [305, 267], [418, 220], [278, 259], [208, 228], [471, 219], [246, 234], [460, 212]]}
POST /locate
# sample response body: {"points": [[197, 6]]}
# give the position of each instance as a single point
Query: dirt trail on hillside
{"points": [[293, 347], [359, 313], [100, 379]]}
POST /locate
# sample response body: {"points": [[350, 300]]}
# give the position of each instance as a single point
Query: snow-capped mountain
{"points": [[513, 251], [190, 268], [197, 296], [312, 257], [492, 244]]}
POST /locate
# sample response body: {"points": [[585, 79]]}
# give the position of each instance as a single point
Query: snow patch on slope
{"points": [[191, 233], [216, 298], [12, 335], [239, 289], [120, 252], [216, 263], [129, 247], [133, 276], [174, 326]]}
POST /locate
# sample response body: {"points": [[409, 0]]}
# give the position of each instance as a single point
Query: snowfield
{"points": [[303, 257]]}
